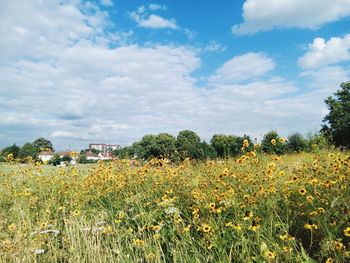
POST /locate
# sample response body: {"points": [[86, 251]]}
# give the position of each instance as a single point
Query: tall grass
{"points": [[257, 208]]}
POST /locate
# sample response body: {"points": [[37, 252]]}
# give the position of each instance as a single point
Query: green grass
{"points": [[250, 209]]}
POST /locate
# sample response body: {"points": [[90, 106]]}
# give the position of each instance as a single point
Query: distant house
{"points": [[45, 156], [107, 156], [91, 156], [105, 148]]}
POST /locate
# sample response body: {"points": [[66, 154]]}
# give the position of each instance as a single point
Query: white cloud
{"points": [[155, 7], [106, 2], [63, 80], [322, 53], [263, 15], [155, 21], [244, 67], [152, 21], [213, 46]]}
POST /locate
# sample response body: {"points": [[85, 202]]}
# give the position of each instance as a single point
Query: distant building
{"points": [[91, 156], [45, 156], [105, 148], [107, 156]]}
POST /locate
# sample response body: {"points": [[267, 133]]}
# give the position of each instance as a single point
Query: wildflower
{"points": [[75, 212], [12, 227], [270, 255], [138, 242], [302, 191], [281, 140], [43, 224], [273, 142], [310, 226], [206, 228], [211, 205], [187, 228], [237, 227], [254, 226], [286, 140], [310, 198], [347, 232]]}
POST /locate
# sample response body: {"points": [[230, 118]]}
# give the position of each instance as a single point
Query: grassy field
{"points": [[292, 208]]}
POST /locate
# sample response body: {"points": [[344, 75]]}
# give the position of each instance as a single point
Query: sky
{"points": [[111, 71]]}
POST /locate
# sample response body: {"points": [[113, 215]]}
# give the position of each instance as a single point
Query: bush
{"points": [[296, 143]]}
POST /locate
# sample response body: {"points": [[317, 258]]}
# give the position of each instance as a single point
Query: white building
{"points": [[45, 156], [105, 148]]}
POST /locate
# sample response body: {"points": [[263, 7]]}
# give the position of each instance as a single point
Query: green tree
{"points": [[188, 144], [28, 149], [55, 160], [208, 151], [42, 143], [14, 150], [296, 143], [164, 145], [67, 158], [337, 121], [220, 143], [267, 145]]}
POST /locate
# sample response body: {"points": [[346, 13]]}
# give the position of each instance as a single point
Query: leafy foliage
{"points": [[337, 121], [268, 146], [42, 143], [28, 150], [296, 143], [13, 149]]}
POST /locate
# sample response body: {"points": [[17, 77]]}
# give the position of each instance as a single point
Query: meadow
{"points": [[255, 208]]}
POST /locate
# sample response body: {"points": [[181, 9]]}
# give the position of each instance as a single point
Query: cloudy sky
{"points": [[111, 71]]}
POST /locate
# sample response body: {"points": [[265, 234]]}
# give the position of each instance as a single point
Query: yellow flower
{"points": [[347, 232], [237, 227], [12, 227], [138, 242], [310, 226], [43, 224], [273, 142], [206, 228], [302, 191], [281, 140], [270, 255], [211, 205], [75, 212], [286, 140], [330, 260]]}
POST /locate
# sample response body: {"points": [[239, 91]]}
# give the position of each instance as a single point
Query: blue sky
{"points": [[111, 71]]}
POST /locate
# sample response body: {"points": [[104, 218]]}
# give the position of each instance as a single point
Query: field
{"points": [[255, 208]]}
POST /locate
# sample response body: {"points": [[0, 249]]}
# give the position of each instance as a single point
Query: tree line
{"points": [[335, 130]]}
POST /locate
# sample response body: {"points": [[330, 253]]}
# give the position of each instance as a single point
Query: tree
{"points": [[337, 121], [55, 160], [188, 144], [14, 150], [208, 151], [164, 145], [28, 149], [271, 144], [296, 142], [67, 158], [42, 143], [220, 144]]}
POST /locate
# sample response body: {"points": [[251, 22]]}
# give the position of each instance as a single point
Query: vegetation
{"points": [[337, 121], [252, 208]]}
